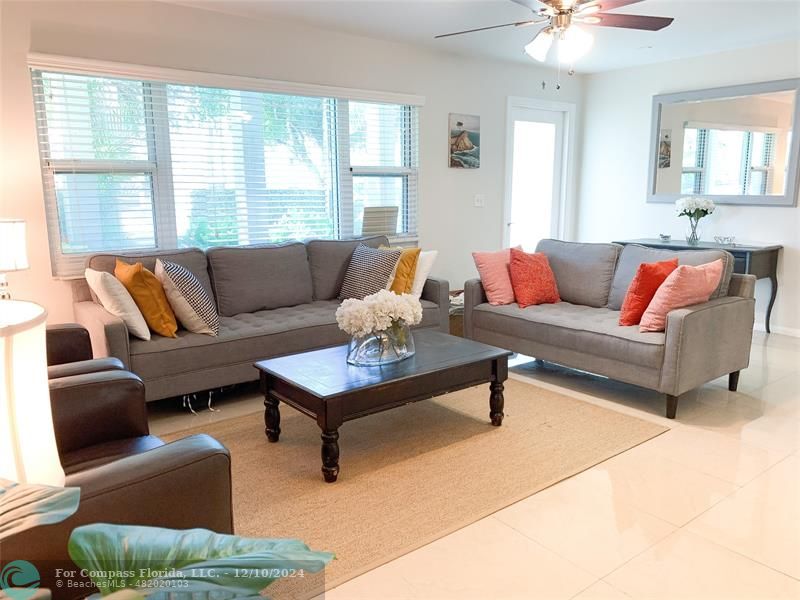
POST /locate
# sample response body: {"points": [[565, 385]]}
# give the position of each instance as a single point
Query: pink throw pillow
{"points": [[685, 286], [493, 267]]}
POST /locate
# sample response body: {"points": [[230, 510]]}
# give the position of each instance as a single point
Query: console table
{"points": [[761, 261]]}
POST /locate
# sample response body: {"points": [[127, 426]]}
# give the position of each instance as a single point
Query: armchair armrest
{"points": [[94, 408], [109, 334], [67, 342], [438, 291], [706, 341], [474, 294], [182, 485]]}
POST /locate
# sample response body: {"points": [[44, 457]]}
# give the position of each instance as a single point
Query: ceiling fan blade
{"points": [[612, 4], [533, 5], [515, 24], [632, 21]]}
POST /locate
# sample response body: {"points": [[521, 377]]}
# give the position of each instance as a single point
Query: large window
{"points": [[142, 164], [727, 161]]}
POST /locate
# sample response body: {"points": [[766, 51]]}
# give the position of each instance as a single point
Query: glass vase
{"points": [[382, 347], [693, 232]]}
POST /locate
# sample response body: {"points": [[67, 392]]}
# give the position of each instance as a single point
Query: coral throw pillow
{"points": [[648, 278], [148, 293], [532, 279], [685, 286], [493, 268]]}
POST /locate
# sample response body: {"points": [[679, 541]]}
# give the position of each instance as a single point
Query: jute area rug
{"points": [[412, 474]]}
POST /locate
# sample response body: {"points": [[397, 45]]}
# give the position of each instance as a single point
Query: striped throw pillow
{"points": [[189, 300], [368, 272]]}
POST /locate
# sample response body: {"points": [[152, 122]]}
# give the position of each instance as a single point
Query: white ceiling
{"points": [[700, 27]]}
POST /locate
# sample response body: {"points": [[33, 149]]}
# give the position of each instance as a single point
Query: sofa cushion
{"points": [[581, 328], [193, 259], [583, 271], [251, 278], [328, 260], [249, 337], [633, 255]]}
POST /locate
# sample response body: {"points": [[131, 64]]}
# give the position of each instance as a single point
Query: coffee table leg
{"points": [[496, 402], [330, 455], [272, 418]]}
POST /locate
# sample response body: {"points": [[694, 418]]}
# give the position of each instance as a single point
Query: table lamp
{"points": [[28, 452], [13, 255]]}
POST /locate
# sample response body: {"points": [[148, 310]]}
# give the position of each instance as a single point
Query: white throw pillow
{"points": [[116, 300], [189, 300], [424, 266]]}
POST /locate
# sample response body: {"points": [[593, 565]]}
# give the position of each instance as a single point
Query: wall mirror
{"points": [[735, 145]]}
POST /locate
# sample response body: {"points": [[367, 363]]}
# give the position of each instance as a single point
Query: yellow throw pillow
{"points": [[149, 296], [405, 270]]}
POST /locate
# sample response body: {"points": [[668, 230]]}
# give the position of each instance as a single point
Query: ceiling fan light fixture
{"points": [[573, 43], [588, 20], [540, 45]]}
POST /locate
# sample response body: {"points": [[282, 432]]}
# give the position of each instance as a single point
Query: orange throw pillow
{"points": [[648, 278], [149, 296], [532, 279], [685, 286]]}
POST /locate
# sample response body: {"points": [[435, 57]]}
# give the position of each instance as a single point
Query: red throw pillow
{"points": [[532, 279], [648, 278]]}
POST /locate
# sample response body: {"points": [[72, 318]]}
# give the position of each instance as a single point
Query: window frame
{"points": [[159, 164]]}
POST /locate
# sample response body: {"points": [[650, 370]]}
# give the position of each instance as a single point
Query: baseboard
{"points": [[790, 331]]}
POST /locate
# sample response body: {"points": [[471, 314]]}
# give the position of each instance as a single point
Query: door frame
{"points": [[569, 111]]}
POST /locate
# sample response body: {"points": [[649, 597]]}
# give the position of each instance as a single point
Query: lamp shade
{"points": [[540, 45], [573, 44], [13, 252], [28, 452]]}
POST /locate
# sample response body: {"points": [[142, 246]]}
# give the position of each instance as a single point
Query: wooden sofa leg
{"points": [[733, 381], [672, 406]]}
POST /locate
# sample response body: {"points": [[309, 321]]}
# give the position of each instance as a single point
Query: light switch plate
{"points": [[480, 200]]}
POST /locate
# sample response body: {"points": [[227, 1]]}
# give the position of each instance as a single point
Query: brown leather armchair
{"points": [[126, 475]]}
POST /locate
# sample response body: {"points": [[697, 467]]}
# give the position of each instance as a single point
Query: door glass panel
{"points": [[532, 183]]}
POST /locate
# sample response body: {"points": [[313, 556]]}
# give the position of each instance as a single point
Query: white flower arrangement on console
{"points": [[694, 207], [380, 327]]}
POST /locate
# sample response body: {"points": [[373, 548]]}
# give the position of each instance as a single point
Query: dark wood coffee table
{"points": [[323, 386]]}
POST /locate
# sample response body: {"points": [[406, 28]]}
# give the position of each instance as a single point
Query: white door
{"points": [[535, 175]]}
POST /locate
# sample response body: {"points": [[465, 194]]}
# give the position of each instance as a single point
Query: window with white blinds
{"points": [[131, 165], [727, 161]]}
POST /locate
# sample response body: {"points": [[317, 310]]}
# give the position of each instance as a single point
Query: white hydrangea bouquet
{"points": [[695, 208], [380, 326]]}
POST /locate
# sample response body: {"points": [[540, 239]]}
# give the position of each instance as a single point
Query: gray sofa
{"points": [[272, 300], [700, 343]]}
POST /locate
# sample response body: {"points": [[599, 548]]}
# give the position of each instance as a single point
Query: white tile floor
{"points": [[710, 509]]}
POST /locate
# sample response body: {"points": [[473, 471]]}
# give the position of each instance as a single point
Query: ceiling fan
{"points": [[561, 17]]}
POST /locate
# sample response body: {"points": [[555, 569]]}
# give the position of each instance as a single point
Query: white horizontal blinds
{"points": [[95, 146], [133, 165], [384, 164], [250, 167], [694, 160], [761, 150]]}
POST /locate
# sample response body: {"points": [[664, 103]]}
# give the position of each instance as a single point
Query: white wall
{"points": [[164, 35], [614, 163]]}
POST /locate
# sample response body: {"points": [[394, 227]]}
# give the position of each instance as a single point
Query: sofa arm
{"points": [[743, 286], [438, 291], [108, 333], [94, 408], [83, 367], [706, 341], [66, 343], [182, 485], [474, 294]]}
